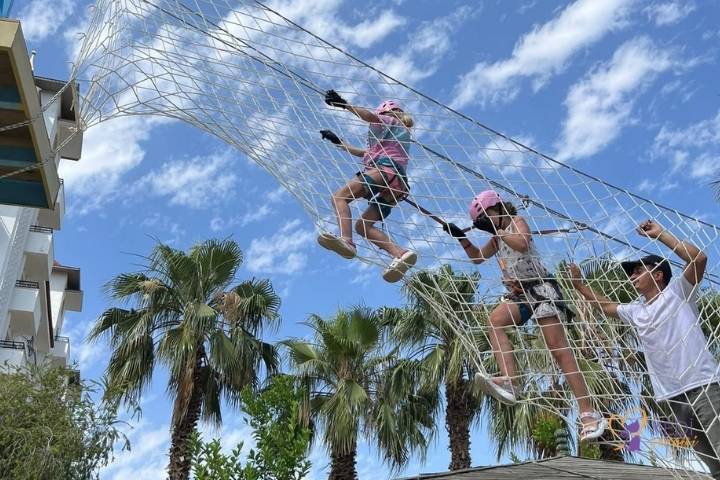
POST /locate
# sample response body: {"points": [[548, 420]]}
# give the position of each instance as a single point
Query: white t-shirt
{"points": [[675, 347]]}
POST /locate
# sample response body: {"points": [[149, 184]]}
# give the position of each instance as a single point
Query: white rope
{"points": [[254, 79]]}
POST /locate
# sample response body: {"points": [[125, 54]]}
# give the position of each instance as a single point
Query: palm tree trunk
{"points": [[342, 466], [457, 422], [179, 465]]}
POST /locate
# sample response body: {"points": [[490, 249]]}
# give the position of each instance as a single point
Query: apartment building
{"points": [[38, 130]]}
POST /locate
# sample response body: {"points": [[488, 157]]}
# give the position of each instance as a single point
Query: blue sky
{"points": [[624, 90]]}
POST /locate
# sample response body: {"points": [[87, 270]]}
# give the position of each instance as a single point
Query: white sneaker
{"points": [[503, 392], [399, 266], [594, 430], [338, 245]]}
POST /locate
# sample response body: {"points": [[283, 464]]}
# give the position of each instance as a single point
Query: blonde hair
{"points": [[405, 118]]}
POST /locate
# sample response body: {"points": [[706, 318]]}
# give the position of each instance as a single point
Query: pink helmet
{"points": [[482, 202], [387, 105]]}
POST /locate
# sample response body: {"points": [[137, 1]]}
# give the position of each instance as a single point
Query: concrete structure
{"points": [[35, 290]]}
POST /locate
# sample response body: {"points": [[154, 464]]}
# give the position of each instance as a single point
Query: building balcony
{"points": [[69, 140], [60, 353], [25, 149], [12, 354], [39, 252], [53, 218], [26, 309], [70, 286]]}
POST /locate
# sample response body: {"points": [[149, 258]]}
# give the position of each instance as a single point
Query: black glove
{"points": [[454, 231], [334, 99], [329, 135], [484, 223]]}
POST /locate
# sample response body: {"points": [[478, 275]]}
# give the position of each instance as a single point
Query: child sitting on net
{"points": [[383, 182], [532, 294]]}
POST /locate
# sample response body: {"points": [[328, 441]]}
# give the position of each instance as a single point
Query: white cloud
{"points": [[254, 214], [669, 13], [702, 134], [526, 7], [110, 150], [706, 166], [692, 149], [43, 18], [505, 156], [170, 231], [541, 53], [195, 183], [322, 18], [371, 31], [646, 186], [146, 459], [599, 105], [282, 252], [425, 48]]}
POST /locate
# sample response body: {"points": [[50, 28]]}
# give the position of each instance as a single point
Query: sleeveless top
{"points": [[389, 138], [522, 266]]}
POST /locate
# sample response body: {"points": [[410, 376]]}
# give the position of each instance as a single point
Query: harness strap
{"points": [[529, 288]]}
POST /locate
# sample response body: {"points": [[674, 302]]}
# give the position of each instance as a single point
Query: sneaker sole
{"points": [[397, 273], [602, 426], [335, 244], [488, 388]]}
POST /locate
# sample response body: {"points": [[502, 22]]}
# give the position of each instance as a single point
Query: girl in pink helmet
{"points": [[532, 294], [383, 182]]}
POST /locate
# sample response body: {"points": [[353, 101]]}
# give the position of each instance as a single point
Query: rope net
{"points": [[244, 73]]}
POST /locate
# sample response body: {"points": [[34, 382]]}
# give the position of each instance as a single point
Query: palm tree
{"points": [[188, 317], [437, 299], [356, 386]]}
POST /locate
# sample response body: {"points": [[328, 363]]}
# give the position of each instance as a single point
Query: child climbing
{"points": [[532, 294], [383, 182]]}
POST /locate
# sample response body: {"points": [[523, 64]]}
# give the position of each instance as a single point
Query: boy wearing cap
{"points": [[683, 371]]}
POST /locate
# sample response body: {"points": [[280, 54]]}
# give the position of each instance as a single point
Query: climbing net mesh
{"points": [[243, 72]]}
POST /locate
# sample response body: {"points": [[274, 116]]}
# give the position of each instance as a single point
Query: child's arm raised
{"points": [[335, 140], [519, 239], [477, 255], [334, 99]]}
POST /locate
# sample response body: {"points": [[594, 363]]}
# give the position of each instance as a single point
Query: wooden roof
{"points": [[565, 468]]}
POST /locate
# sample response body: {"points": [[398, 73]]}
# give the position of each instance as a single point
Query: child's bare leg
{"points": [[556, 341], [504, 315], [341, 199], [365, 226]]}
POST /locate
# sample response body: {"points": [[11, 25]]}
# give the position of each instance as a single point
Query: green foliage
{"points": [[590, 450], [188, 315], [543, 434], [709, 307], [51, 428], [281, 442], [209, 463], [356, 384]]}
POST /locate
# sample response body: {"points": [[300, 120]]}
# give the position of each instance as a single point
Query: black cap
{"points": [[653, 261]]}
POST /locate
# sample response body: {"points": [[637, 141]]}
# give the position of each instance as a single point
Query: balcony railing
{"points": [[12, 344], [61, 338], [27, 284], [41, 229]]}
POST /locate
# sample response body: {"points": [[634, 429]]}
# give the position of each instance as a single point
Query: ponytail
{"points": [[406, 119]]}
